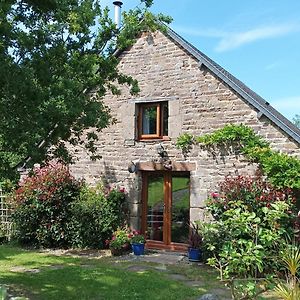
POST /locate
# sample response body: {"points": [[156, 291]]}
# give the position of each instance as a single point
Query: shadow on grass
{"points": [[45, 276], [102, 282]]}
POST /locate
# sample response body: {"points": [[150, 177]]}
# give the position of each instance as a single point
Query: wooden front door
{"points": [[165, 217]]}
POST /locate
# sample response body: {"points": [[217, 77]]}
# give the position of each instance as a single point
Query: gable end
{"points": [[263, 107]]}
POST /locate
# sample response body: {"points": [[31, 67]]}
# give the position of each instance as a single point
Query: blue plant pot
{"points": [[138, 248], [194, 254]]}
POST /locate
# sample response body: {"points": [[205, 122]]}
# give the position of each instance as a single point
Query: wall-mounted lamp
{"points": [[132, 167], [161, 150]]}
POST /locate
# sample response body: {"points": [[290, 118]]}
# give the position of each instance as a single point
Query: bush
{"points": [[255, 192], [252, 218], [42, 206], [52, 210], [95, 216]]}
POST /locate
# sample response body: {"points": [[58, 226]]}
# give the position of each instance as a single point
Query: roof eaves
{"points": [[255, 100]]}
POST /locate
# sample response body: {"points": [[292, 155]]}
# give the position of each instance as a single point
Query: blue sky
{"points": [[258, 41]]}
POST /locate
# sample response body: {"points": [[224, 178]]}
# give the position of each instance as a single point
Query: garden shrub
{"points": [[95, 216], [251, 220], [42, 206], [53, 209]]}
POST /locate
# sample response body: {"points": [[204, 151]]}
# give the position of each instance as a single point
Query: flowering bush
{"points": [[42, 206], [251, 219], [52, 209], [254, 192], [137, 237]]}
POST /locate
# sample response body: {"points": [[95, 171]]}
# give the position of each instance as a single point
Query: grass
{"points": [[62, 277], [65, 277]]}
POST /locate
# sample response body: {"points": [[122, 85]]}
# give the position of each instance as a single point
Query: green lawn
{"points": [[65, 277], [62, 277]]}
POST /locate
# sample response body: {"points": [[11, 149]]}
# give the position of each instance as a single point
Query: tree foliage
{"points": [[53, 54]]}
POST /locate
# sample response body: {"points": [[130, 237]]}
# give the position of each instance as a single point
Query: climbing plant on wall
{"points": [[281, 169]]}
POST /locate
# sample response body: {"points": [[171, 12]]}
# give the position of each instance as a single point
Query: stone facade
{"points": [[199, 103]]}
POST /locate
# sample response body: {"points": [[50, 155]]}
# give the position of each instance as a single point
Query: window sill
{"points": [[164, 138]]}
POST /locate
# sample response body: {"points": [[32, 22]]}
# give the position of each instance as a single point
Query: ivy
{"points": [[281, 169]]}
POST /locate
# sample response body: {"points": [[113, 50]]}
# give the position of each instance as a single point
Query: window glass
{"points": [[153, 120], [149, 120], [155, 208], [180, 208]]}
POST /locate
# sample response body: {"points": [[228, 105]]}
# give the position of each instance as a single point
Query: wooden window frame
{"points": [[159, 121]]}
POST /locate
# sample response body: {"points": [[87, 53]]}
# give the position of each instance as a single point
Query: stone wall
{"points": [[198, 103]]}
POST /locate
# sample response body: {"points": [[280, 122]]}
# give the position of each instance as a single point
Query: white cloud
{"points": [[229, 40], [273, 66], [235, 40]]}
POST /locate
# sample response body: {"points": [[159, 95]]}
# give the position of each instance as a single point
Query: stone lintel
{"points": [[176, 166]]}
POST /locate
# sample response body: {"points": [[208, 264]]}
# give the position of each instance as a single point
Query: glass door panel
{"points": [[180, 209], [155, 208]]}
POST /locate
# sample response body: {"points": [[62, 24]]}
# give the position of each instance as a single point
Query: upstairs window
{"points": [[153, 120]]}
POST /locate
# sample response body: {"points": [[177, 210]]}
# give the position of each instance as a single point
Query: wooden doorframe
{"points": [[166, 244]]}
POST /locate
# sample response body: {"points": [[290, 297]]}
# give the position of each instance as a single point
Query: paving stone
{"points": [[18, 269], [138, 268], [194, 283], [161, 268], [32, 270], [162, 258], [56, 267], [209, 297]]}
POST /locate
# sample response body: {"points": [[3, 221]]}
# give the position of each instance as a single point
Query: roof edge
{"points": [[255, 100]]}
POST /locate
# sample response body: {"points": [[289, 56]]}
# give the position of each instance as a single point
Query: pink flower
{"points": [[215, 195]]}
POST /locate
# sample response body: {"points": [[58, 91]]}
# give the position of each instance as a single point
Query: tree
{"points": [[53, 54], [296, 120]]}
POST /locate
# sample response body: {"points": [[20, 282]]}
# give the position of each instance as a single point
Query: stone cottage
{"points": [[182, 91]]}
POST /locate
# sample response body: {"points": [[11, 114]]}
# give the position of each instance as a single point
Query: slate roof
{"points": [[245, 92]]}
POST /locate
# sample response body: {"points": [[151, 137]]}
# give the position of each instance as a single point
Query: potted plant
{"points": [[138, 243], [195, 243], [120, 242]]}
